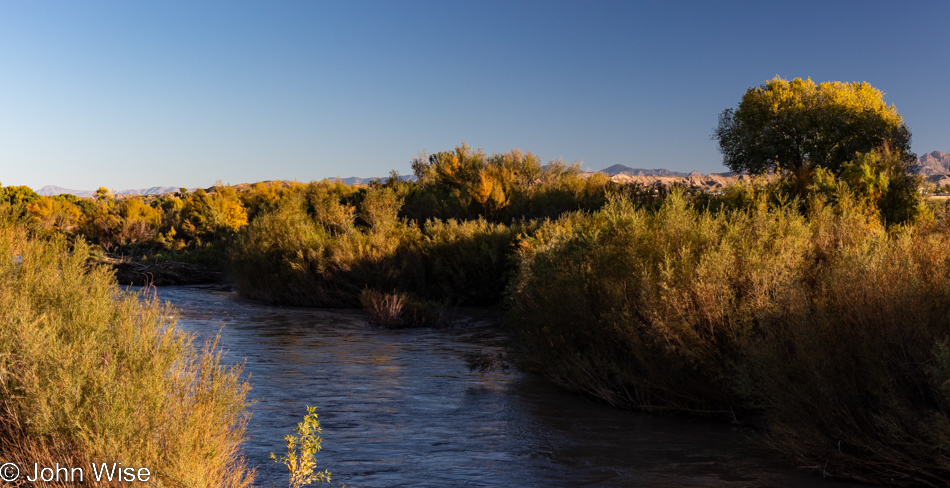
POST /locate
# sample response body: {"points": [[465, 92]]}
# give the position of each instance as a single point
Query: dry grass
{"points": [[89, 373], [385, 309], [399, 310]]}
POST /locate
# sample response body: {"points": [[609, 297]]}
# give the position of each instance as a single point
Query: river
{"points": [[401, 408]]}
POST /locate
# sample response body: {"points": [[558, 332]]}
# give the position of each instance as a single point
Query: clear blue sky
{"points": [[133, 94]]}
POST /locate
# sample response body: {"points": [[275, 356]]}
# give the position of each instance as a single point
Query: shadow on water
{"points": [[401, 408]]}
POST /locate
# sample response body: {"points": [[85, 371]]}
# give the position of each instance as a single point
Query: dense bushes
{"points": [[314, 250], [286, 256], [465, 184], [91, 374], [675, 289], [448, 238], [831, 327], [468, 262]]}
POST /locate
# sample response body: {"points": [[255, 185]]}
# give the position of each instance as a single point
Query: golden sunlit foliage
{"points": [[17, 195], [466, 184], [331, 205], [103, 195], [815, 300], [90, 374], [793, 124], [266, 195], [799, 129], [125, 222], [55, 214], [206, 216]]}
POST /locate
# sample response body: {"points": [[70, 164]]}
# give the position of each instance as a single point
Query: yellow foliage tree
{"points": [[799, 125], [207, 215], [266, 195], [52, 213]]}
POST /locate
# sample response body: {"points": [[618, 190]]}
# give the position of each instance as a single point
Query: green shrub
{"points": [[466, 185], [849, 382], [467, 262], [280, 257], [301, 466], [330, 204], [291, 255], [649, 309]]}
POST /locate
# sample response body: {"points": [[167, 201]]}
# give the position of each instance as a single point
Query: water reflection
{"points": [[400, 408]]}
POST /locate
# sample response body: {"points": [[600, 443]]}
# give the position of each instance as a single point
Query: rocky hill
{"points": [[935, 163], [710, 182], [648, 177], [935, 168], [619, 169]]}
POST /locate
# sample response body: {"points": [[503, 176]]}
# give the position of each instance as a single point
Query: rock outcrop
{"points": [[935, 163], [710, 182]]}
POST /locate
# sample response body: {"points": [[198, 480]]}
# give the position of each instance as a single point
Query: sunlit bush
{"points": [[301, 256], [89, 373], [54, 214], [127, 223], [464, 184], [209, 216]]}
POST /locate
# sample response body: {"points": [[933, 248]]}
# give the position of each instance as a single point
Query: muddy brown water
{"points": [[401, 408]]}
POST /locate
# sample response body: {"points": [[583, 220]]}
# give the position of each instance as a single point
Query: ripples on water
{"points": [[401, 408]]}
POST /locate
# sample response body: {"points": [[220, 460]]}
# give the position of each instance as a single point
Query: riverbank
{"points": [[829, 326], [160, 273], [813, 319], [403, 407]]}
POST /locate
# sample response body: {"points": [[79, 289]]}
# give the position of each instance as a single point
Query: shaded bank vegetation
{"points": [[828, 325]]}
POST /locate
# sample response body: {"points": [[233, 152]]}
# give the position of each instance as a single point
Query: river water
{"points": [[401, 408]]}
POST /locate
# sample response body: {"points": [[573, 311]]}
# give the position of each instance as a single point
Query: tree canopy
{"points": [[798, 126]]}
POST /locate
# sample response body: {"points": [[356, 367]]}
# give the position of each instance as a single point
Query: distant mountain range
{"points": [[50, 190], [619, 169], [933, 166], [930, 164], [355, 180]]}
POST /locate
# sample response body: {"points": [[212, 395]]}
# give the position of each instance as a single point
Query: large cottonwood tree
{"points": [[798, 126]]}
